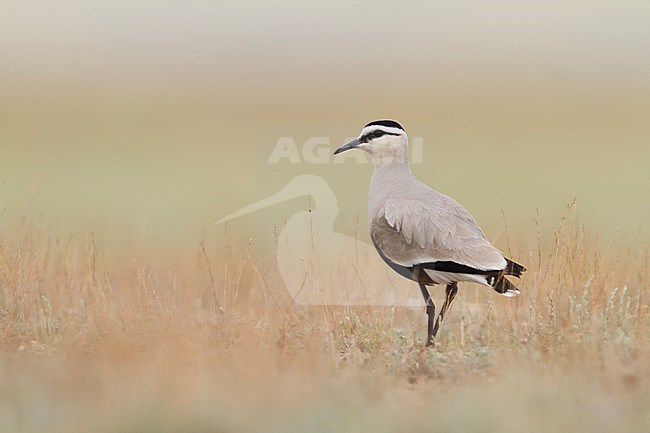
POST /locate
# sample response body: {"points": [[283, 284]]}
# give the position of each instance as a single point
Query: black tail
{"points": [[503, 286], [514, 269]]}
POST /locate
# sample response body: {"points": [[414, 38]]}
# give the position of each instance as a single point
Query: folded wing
{"points": [[411, 232]]}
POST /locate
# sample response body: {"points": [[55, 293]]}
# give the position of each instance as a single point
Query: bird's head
{"points": [[385, 140]]}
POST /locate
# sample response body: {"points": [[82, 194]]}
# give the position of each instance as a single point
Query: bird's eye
{"points": [[372, 135]]}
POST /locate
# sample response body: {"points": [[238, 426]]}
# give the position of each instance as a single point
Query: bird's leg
{"points": [[431, 312], [452, 290]]}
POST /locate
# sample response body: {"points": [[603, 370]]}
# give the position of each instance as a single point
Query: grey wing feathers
{"points": [[415, 231]]}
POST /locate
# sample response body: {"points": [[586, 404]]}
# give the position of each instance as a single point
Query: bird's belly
{"points": [[439, 277], [406, 272]]}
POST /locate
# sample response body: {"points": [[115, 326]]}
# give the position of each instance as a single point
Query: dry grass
{"points": [[116, 341]]}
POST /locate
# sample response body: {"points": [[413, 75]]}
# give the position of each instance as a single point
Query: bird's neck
{"points": [[392, 166], [390, 155], [392, 176]]}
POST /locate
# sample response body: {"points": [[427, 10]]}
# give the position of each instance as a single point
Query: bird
{"points": [[308, 248], [423, 234]]}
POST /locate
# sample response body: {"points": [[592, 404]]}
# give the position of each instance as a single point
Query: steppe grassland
{"points": [[110, 340]]}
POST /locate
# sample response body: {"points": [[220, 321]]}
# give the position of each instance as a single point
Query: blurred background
{"points": [[148, 121]]}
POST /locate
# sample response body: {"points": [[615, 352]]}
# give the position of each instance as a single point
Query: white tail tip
{"points": [[512, 293]]}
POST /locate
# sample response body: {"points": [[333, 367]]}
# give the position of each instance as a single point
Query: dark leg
{"points": [[431, 312], [452, 290]]}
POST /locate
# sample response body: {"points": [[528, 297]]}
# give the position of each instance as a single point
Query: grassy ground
{"points": [[125, 130], [117, 341]]}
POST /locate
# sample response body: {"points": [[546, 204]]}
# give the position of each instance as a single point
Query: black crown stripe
{"points": [[387, 123]]}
